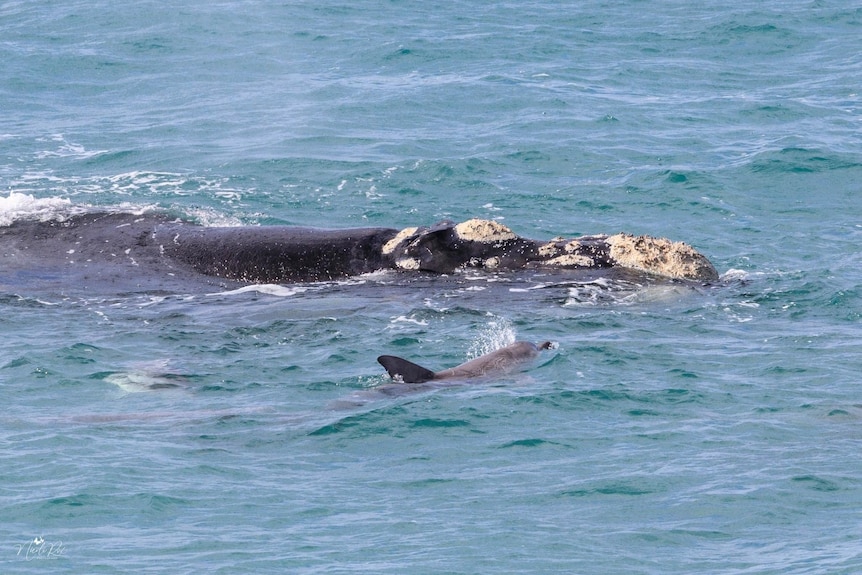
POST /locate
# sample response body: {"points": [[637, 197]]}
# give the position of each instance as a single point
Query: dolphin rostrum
{"points": [[499, 361]]}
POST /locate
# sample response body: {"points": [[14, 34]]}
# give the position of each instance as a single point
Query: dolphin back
{"points": [[408, 371]]}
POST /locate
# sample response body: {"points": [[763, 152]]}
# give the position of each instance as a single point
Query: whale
{"points": [[158, 251], [497, 362]]}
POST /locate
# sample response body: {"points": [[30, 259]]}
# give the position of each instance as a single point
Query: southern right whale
{"points": [[156, 251], [496, 362]]}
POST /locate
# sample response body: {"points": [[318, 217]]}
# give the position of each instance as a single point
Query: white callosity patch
{"points": [[645, 253], [485, 231], [660, 256], [389, 248], [492, 263], [571, 261], [408, 264], [570, 254], [392, 244]]}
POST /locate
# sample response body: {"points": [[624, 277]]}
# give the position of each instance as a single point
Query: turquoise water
{"points": [[673, 430]]}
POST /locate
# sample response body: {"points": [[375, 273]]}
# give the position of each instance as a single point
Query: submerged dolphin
{"points": [[499, 361]]}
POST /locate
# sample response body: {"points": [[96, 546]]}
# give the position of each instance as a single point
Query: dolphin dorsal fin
{"points": [[407, 370]]}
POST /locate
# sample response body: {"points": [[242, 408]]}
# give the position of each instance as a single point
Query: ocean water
{"points": [[675, 429]]}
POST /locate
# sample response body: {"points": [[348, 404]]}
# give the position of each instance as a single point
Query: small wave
{"points": [[211, 218], [596, 292], [268, 289], [18, 206], [66, 149], [733, 274], [411, 319], [133, 184], [22, 206]]}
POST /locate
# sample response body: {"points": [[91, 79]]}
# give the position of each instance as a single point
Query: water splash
{"points": [[497, 334]]}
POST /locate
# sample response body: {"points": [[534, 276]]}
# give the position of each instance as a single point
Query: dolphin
{"points": [[499, 361]]}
